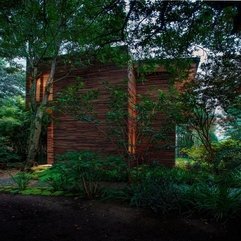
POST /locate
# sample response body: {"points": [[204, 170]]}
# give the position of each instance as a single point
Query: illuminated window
{"points": [[131, 112], [41, 88], [38, 86]]}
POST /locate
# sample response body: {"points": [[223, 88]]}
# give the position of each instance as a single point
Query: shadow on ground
{"points": [[29, 218]]}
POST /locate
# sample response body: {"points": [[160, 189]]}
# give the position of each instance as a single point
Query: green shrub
{"points": [[14, 129], [55, 177], [234, 178], [196, 153], [114, 168], [7, 154], [22, 180], [175, 175], [159, 195], [81, 172], [160, 188], [215, 201], [155, 171], [176, 190], [191, 177], [228, 154], [184, 163]]}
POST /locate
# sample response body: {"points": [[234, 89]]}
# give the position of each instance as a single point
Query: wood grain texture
{"points": [[68, 134], [73, 135], [159, 151]]}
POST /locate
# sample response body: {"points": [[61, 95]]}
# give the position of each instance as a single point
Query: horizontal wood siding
{"points": [[68, 134], [161, 152], [50, 143], [74, 135]]}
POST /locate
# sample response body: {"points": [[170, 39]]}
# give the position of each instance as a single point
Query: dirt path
{"points": [[29, 218]]}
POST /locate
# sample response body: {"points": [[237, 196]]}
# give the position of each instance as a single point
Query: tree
{"points": [[14, 129], [39, 28], [12, 80], [211, 99], [170, 28], [132, 136], [13, 117]]}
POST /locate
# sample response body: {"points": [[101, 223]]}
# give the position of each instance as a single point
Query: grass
{"points": [[35, 191]]}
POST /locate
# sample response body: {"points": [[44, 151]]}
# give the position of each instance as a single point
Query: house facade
{"points": [[66, 133]]}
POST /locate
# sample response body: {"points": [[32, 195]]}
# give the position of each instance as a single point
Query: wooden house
{"points": [[65, 133]]}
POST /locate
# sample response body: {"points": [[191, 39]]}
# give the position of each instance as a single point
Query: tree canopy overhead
{"points": [[35, 29], [39, 28], [12, 80]]}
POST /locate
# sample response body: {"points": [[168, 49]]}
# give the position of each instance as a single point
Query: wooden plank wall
{"points": [[50, 143], [161, 152], [68, 134], [131, 110], [74, 135]]}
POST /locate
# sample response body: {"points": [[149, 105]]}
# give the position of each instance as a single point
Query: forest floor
{"points": [[39, 218]]}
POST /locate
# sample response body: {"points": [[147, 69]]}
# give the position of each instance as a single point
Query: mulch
{"points": [[31, 218]]}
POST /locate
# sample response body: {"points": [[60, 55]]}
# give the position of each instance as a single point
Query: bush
{"points": [[215, 201], [176, 190], [22, 180], [196, 153], [7, 154], [234, 178], [161, 189], [155, 171], [184, 163], [74, 172], [56, 177], [228, 154], [159, 195], [176, 175], [110, 168], [81, 172], [14, 127], [114, 168]]}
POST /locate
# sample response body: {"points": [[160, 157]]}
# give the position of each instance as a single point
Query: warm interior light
{"points": [[131, 112], [41, 87], [38, 86]]}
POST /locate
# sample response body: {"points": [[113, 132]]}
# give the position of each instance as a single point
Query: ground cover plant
{"points": [[166, 191], [192, 200], [81, 172], [22, 180], [178, 191]]}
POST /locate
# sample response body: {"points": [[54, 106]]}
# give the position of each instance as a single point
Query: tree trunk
{"points": [[36, 125]]}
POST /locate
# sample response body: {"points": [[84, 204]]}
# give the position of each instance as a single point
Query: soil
{"points": [[39, 218], [31, 218]]}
